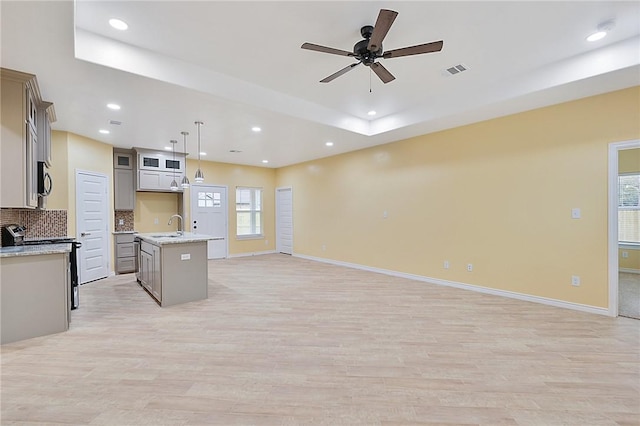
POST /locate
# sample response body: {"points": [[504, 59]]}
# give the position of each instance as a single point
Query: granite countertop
{"points": [[161, 238], [13, 251]]}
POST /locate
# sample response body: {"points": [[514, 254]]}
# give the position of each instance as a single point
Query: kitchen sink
{"points": [[165, 236]]}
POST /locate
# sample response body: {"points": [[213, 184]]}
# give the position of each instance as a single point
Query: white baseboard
{"points": [[254, 253], [464, 286], [629, 270]]}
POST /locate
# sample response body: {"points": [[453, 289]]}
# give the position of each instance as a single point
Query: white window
{"points": [[629, 208], [249, 212]]}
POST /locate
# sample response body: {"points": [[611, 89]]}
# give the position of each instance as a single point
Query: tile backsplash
{"points": [[126, 216], [39, 223]]}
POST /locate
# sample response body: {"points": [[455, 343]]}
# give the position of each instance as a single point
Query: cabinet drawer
{"points": [[125, 250], [125, 238], [125, 264]]}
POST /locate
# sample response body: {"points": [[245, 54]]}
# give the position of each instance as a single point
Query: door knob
{"points": [[84, 234]]}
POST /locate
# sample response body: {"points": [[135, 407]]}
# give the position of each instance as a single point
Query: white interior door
{"points": [[284, 220], [92, 225], [209, 213]]}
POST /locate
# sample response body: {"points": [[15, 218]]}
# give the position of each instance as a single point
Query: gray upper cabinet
{"points": [[157, 169], [21, 126], [123, 181], [46, 116]]}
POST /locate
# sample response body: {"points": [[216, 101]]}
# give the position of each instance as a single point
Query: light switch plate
{"points": [[185, 256]]}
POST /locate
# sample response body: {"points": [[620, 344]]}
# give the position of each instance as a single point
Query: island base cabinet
{"points": [[174, 273], [184, 273], [34, 296]]}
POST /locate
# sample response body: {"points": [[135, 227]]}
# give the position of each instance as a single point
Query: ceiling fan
{"points": [[368, 50]]}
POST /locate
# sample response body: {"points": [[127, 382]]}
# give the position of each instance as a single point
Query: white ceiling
{"points": [[239, 64]]}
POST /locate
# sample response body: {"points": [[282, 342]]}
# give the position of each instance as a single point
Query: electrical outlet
{"points": [[469, 267], [266, 242], [625, 254], [155, 221], [575, 213], [324, 247], [446, 264], [186, 256], [120, 221], [385, 214], [575, 280]]}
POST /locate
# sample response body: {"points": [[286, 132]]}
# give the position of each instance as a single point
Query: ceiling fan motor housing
{"points": [[361, 48]]}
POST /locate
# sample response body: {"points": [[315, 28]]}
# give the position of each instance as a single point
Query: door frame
{"points": [[109, 248], [290, 188], [614, 149], [193, 199]]}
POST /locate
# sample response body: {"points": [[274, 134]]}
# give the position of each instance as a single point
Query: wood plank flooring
{"points": [[287, 341]]}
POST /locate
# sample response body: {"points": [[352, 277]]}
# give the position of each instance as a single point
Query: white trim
{"points": [[253, 253], [630, 271], [464, 286], [613, 220]]}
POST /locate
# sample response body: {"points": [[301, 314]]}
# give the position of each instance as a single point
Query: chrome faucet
{"points": [[180, 230]]}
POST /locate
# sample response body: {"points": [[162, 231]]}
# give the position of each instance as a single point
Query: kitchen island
{"points": [[172, 267], [35, 291]]}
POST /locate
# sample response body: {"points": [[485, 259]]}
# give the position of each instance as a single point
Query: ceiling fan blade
{"points": [[380, 30], [382, 72], [339, 73], [324, 49], [435, 46]]}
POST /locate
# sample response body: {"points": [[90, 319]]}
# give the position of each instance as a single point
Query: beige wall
{"points": [[629, 161], [497, 194], [231, 176], [152, 207]]}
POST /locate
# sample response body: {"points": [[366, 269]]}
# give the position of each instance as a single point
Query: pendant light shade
{"points": [[174, 184], [199, 177], [185, 180]]}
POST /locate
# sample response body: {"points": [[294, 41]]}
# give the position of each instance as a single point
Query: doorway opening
{"points": [[621, 283]]}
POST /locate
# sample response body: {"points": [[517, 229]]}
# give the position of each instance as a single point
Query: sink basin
{"points": [[165, 236]]}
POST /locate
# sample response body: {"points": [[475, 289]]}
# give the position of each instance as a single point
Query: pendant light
{"points": [[199, 178], [174, 184], [185, 180]]}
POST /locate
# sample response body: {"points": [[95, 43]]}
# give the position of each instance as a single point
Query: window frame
{"points": [[253, 213], [622, 208]]}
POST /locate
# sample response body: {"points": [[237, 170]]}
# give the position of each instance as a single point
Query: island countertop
{"points": [[162, 238], [32, 250]]}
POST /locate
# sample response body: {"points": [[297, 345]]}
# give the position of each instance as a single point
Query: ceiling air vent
{"points": [[456, 69], [115, 123], [235, 151]]}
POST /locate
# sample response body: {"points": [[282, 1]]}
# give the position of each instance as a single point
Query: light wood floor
{"points": [[287, 341]]}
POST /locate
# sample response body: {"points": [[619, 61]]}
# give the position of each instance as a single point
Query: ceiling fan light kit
{"points": [[368, 50]]}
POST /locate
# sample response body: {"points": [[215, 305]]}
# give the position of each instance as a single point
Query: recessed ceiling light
{"points": [[603, 29], [104, 131], [597, 36], [114, 107], [256, 129], [371, 113], [118, 24], [203, 153], [329, 144], [265, 161]]}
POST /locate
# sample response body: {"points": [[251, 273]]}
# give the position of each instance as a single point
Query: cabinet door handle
{"points": [[84, 234]]}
